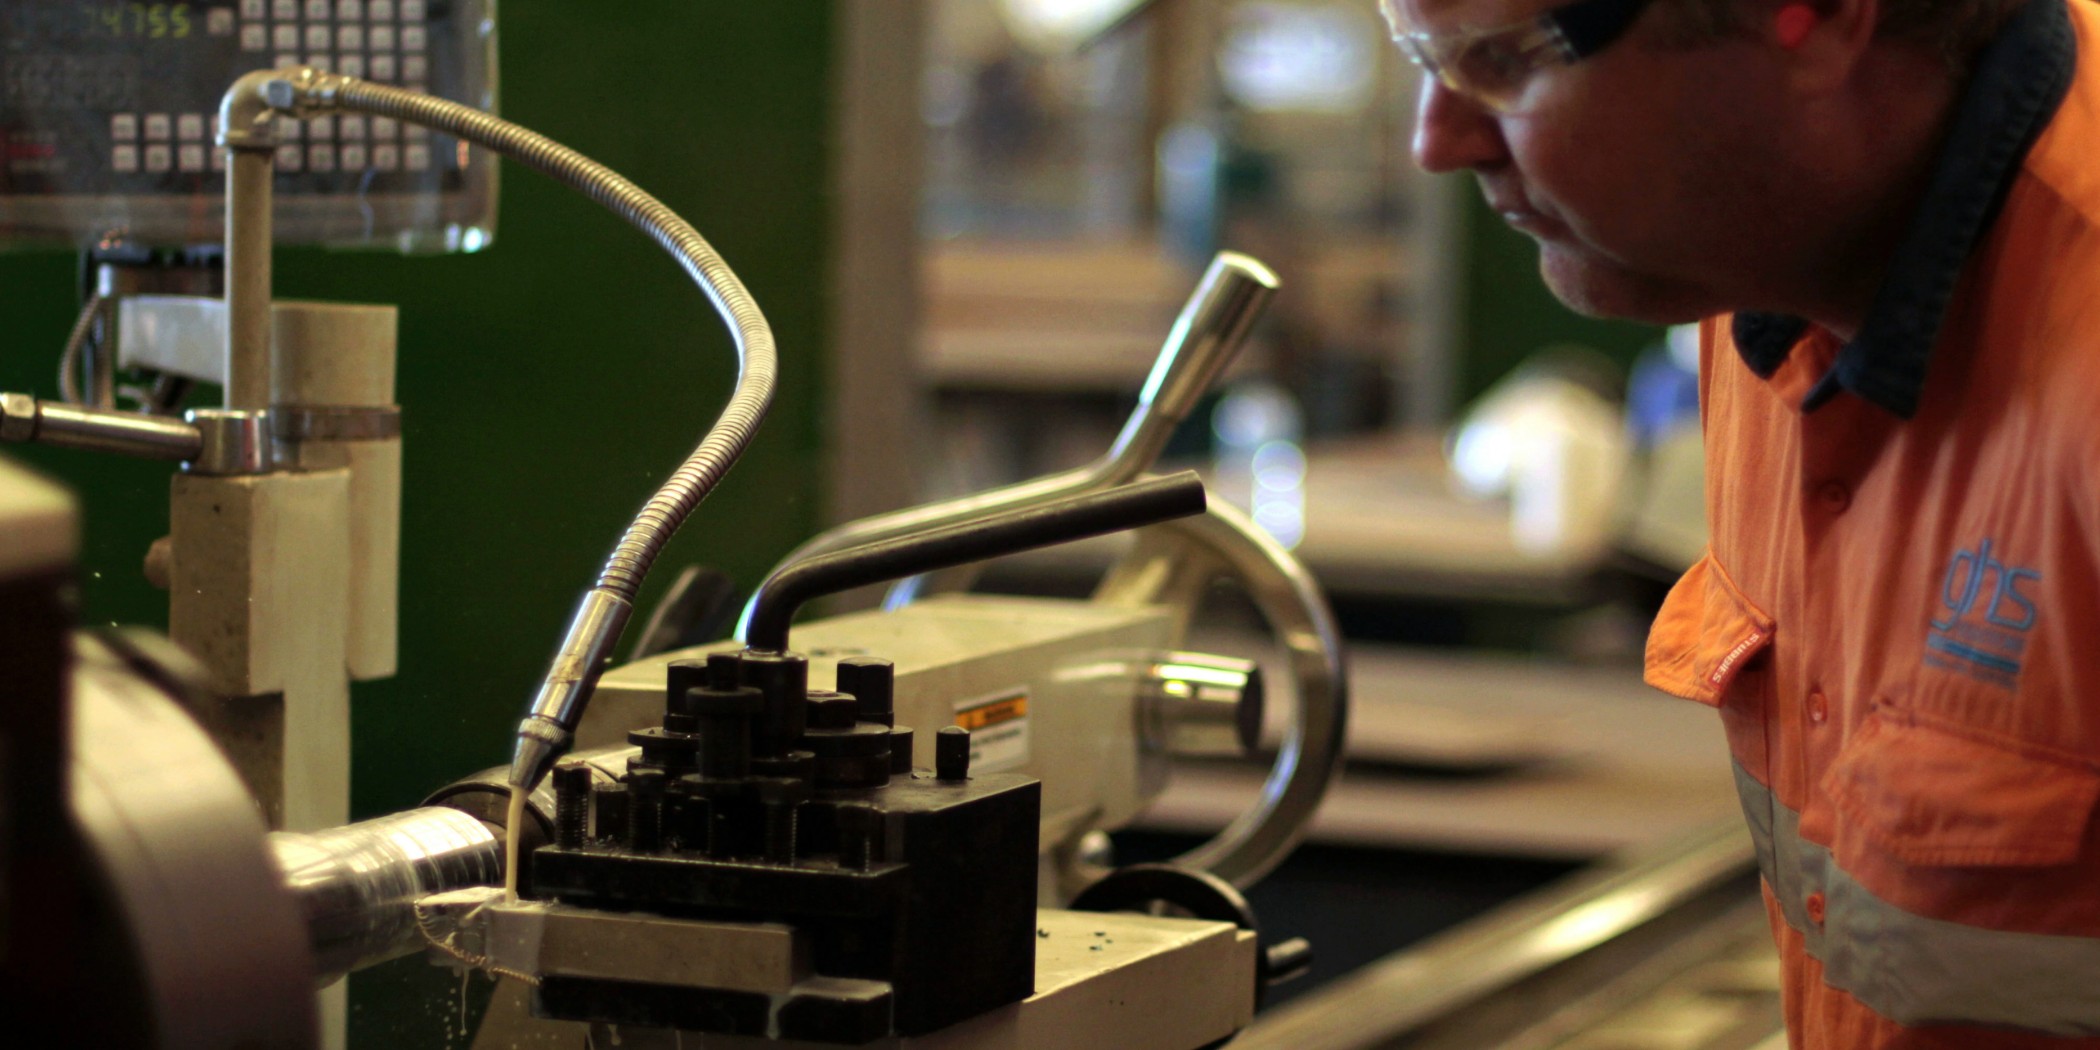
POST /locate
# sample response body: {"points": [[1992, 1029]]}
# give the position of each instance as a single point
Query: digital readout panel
{"points": [[108, 116]]}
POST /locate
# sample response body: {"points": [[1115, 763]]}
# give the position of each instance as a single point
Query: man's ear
{"points": [[1824, 40]]}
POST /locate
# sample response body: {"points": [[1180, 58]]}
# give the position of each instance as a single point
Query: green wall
{"points": [[1507, 313], [548, 383]]}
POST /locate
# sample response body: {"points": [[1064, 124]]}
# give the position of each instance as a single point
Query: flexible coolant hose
{"points": [[550, 723]]}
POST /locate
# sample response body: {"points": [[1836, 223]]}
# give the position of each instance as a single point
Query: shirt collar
{"points": [[2020, 78]]}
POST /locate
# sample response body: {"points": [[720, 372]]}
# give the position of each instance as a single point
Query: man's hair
{"points": [[1956, 28]]}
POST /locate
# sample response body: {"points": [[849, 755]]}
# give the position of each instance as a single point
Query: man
{"points": [[1894, 208]]}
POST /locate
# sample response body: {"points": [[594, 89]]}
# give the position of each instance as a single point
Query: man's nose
{"points": [[1455, 133]]}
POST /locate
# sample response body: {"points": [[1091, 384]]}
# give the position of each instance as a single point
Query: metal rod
{"points": [[1073, 518], [357, 885], [249, 195], [25, 418]]}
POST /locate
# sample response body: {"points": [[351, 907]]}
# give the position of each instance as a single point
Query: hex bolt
{"points": [[871, 682], [645, 810], [859, 824], [724, 670], [784, 679], [829, 710], [951, 753], [900, 751], [572, 804], [680, 678]]}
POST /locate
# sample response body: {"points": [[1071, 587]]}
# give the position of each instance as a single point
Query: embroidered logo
{"points": [[1987, 607]]}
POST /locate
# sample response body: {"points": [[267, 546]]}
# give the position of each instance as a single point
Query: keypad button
{"points": [[320, 157], [283, 10], [254, 8], [349, 10], [417, 158], [353, 157], [416, 132], [321, 62], [386, 158], [351, 126], [284, 37], [350, 38], [384, 127], [159, 158], [189, 127], [317, 10], [411, 10], [218, 160], [380, 10], [412, 38], [158, 127], [286, 61], [289, 128], [319, 38], [383, 67], [219, 21], [320, 129], [124, 158], [350, 65], [290, 158], [414, 67], [124, 126], [381, 39], [190, 157], [255, 37]]}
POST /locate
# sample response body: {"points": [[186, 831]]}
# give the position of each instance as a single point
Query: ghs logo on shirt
{"points": [[1986, 608]]}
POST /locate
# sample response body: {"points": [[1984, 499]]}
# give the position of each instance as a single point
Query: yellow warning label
{"points": [[993, 712]]}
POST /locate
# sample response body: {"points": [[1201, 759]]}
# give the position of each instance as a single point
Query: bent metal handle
{"points": [[1073, 518], [1209, 331]]}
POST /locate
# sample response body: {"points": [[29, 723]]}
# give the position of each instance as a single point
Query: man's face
{"points": [[1637, 169]]}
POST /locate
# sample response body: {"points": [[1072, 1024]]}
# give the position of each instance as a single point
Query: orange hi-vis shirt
{"points": [[1899, 614]]}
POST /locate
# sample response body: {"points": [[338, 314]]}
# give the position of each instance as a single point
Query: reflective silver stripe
{"points": [[1915, 970]]}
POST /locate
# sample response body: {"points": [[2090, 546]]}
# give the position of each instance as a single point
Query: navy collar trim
{"points": [[2021, 77]]}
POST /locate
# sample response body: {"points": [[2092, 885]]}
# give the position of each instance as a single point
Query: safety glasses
{"points": [[1493, 66]]}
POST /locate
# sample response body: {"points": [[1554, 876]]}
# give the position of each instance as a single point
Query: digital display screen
{"points": [[108, 114]]}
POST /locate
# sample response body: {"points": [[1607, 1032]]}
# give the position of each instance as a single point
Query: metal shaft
{"points": [[249, 198], [25, 418]]}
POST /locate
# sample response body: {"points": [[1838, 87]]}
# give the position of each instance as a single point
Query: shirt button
{"points": [[1834, 496], [1818, 707], [1815, 908]]}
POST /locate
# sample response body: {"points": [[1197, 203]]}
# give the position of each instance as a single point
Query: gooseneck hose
{"points": [[549, 724]]}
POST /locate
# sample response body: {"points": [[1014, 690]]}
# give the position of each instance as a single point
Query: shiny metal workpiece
{"points": [[357, 886]]}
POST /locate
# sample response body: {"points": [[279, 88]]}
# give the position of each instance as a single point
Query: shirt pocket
{"points": [[1706, 633], [1930, 794]]}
